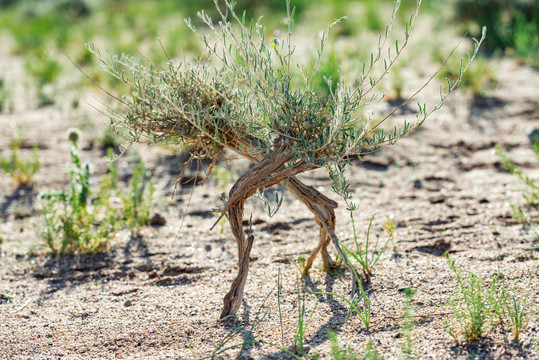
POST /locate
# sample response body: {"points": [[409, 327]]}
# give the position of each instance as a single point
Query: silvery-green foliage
{"points": [[241, 95]]}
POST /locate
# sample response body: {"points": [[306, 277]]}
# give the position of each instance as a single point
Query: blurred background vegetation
{"points": [[43, 32]]}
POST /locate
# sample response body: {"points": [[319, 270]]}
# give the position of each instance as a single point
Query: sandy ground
{"points": [[158, 296]]}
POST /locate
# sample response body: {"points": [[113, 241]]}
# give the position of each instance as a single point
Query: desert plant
{"points": [[507, 308], [531, 191], [479, 77], [138, 200], [303, 322], [513, 24], [71, 223], [516, 311], [497, 298], [45, 70], [76, 223], [3, 94], [367, 257], [20, 170], [337, 352], [469, 303], [360, 302], [475, 301], [250, 105], [408, 324]]}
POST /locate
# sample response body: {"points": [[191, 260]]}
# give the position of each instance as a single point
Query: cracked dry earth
{"points": [[158, 296]]}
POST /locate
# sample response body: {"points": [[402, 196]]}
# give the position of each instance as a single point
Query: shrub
{"points": [[241, 97]]}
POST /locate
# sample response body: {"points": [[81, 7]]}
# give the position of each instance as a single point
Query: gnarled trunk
{"points": [[266, 172]]}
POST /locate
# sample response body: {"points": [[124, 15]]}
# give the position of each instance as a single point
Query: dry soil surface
{"points": [[158, 296]]}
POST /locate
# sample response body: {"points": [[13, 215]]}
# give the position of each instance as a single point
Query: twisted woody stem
{"points": [[266, 172]]}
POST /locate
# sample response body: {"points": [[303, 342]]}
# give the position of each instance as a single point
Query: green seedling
{"points": [[299, 264], [475, 301], [371, 353], [531, 192], [516, 311], [368, 256], [497, 298], [337, 352], [469, 303], [71, 223], [3, 95], [303, 323], [508, 309], [76, 222], [408, 325], [21, 170], [138, 200]]}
